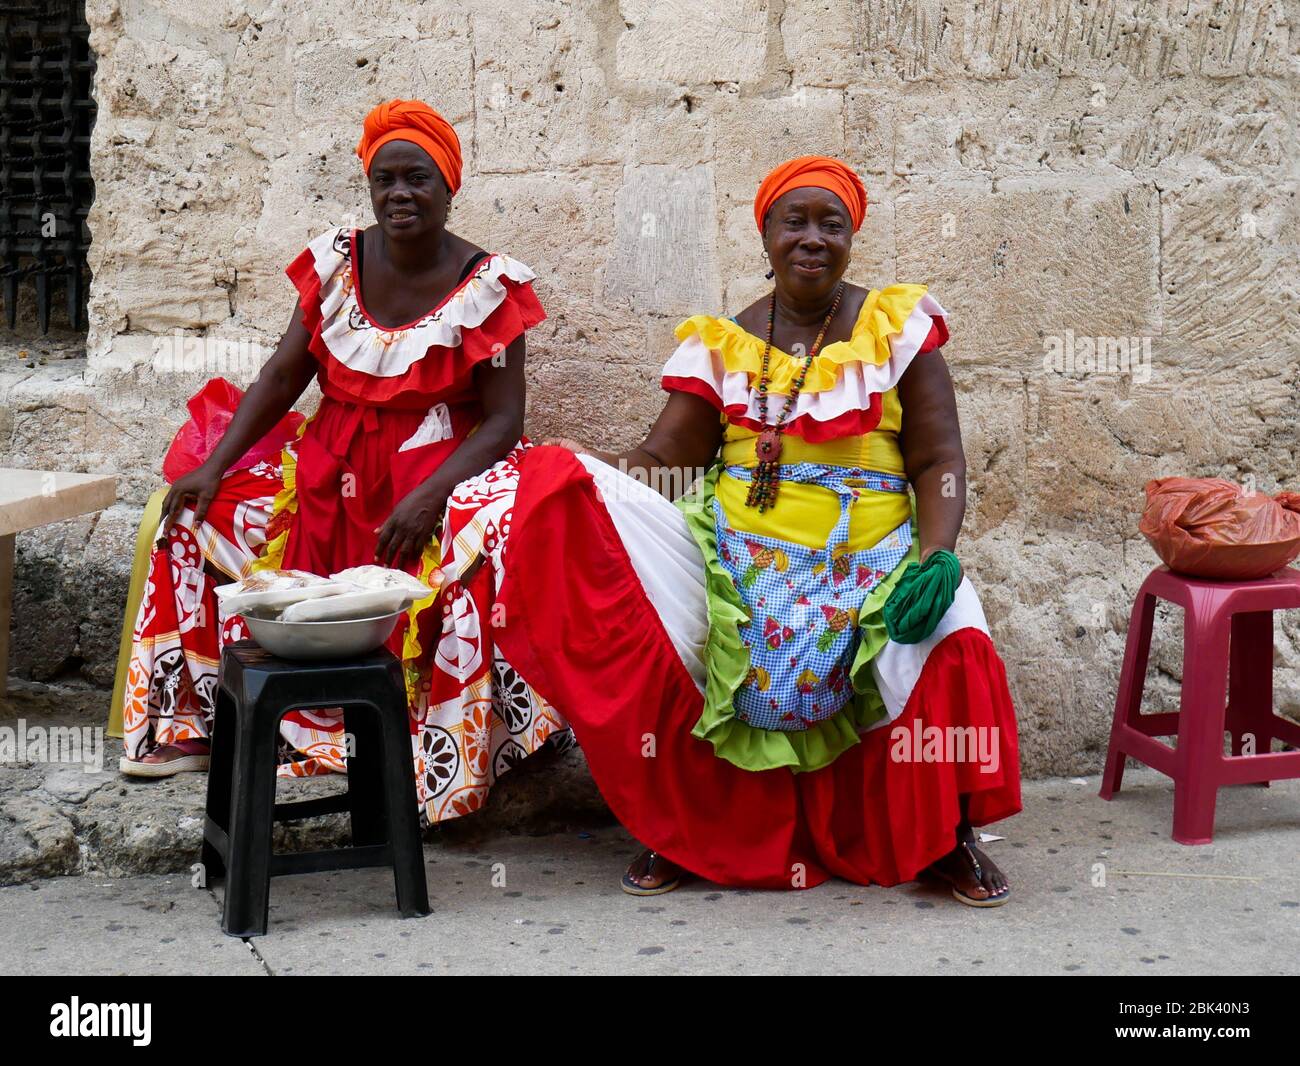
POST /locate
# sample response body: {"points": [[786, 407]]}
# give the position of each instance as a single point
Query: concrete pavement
{"points": [[1100, 889]]}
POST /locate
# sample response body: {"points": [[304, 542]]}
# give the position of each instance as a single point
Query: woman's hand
{"points": [[581, 449], [410, 527], [200, 485], [566, 442], [927, 552]]}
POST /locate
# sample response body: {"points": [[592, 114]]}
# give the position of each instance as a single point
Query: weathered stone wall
{"points": [[1118, 168]]}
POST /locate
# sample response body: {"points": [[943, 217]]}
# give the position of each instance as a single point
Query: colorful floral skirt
{"points": [[472, 716], [176, 644]]}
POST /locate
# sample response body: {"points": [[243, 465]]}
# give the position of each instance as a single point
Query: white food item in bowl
{"points": [[270, 591], [361, 603], [270, 580], [384, 577]]}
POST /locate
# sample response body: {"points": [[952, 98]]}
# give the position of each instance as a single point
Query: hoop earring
{"points": [[771, 273]]}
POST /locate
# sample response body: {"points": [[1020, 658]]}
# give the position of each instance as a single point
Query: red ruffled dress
{"points": [[396, 403]]}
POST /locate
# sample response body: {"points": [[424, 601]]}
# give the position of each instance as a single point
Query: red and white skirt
{"points": [[584, 595]]}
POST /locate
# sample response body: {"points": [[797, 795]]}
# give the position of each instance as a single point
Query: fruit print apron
{"points": [[803, 603]]}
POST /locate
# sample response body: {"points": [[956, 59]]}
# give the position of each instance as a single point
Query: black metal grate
{"points": [[46, 114]]}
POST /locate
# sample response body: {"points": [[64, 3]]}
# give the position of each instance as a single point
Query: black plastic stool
{"points": [[255, 691]]}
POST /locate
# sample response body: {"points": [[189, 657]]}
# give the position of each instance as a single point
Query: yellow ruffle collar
{"points": [[883, 313]]}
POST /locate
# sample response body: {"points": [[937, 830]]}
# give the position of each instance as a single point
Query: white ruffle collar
{"points": [[364, 346]]}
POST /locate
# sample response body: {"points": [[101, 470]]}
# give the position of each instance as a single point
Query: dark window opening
{"points": [[46, 114]]}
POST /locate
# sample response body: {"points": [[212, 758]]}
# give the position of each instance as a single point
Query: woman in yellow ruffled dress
{"points": [[847, 714]]}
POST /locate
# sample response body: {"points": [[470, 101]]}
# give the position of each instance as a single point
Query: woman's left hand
{"points": [[566, 442], [961, 570], [402, 539]]}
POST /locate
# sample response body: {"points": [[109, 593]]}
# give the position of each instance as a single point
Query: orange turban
{"points": [[410, 120], [813, 172]]}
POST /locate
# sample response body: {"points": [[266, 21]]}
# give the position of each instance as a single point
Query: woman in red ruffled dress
{"points": [[416, 337]]}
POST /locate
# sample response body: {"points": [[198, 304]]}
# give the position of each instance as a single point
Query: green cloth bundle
{"points": [[921, 597]]}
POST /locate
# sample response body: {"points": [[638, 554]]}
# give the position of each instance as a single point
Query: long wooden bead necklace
{"points": [[767, 475]]}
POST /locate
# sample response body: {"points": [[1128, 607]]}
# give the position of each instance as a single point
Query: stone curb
{"points": [[58, 819]]}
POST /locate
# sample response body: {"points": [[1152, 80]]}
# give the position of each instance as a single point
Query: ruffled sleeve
{"points": [[422, 361], [721, 362], [321, 262]]}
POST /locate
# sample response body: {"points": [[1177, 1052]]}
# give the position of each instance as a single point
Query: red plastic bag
{"points": [[211, 409], [1209, 527]]}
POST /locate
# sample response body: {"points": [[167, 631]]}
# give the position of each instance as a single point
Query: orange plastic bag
{"points": [[211, 409], [1209, 527]]}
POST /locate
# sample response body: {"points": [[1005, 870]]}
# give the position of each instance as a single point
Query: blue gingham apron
{"points": [[803, 603]]}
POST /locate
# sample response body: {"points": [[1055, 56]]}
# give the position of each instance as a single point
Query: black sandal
{"points": [[971, 901], [633, 889]]}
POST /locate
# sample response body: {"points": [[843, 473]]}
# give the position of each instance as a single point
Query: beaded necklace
{"points": [[762, 488]]}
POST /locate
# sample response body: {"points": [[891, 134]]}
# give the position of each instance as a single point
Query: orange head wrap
{"points": [[410, 120], [813, 172]]}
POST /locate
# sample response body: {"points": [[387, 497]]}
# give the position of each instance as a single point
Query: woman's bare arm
{"points": [[678, 449], [932, 451], [501, 389], [281, 381], [283, 378]]}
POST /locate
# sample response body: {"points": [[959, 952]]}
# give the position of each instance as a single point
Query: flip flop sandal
{"points": [[972, 901], [633, 889], [196, 757]]}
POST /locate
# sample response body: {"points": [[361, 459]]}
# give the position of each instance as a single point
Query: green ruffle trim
{"points": [[727, 661]]}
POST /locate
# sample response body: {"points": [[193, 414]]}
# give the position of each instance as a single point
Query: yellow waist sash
{"points": [[877, 450], [805, 514]]}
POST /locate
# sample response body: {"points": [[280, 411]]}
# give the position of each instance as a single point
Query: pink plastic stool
{"points": [[1213, 611]]}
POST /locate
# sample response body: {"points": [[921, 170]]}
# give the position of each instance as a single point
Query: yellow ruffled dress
{"points": [[851, 385]]}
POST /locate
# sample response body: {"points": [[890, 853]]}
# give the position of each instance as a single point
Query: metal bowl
{"points": [[322, 640]]}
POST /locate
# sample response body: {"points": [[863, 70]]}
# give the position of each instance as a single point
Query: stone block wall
{"points": [[1053, 170]]}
